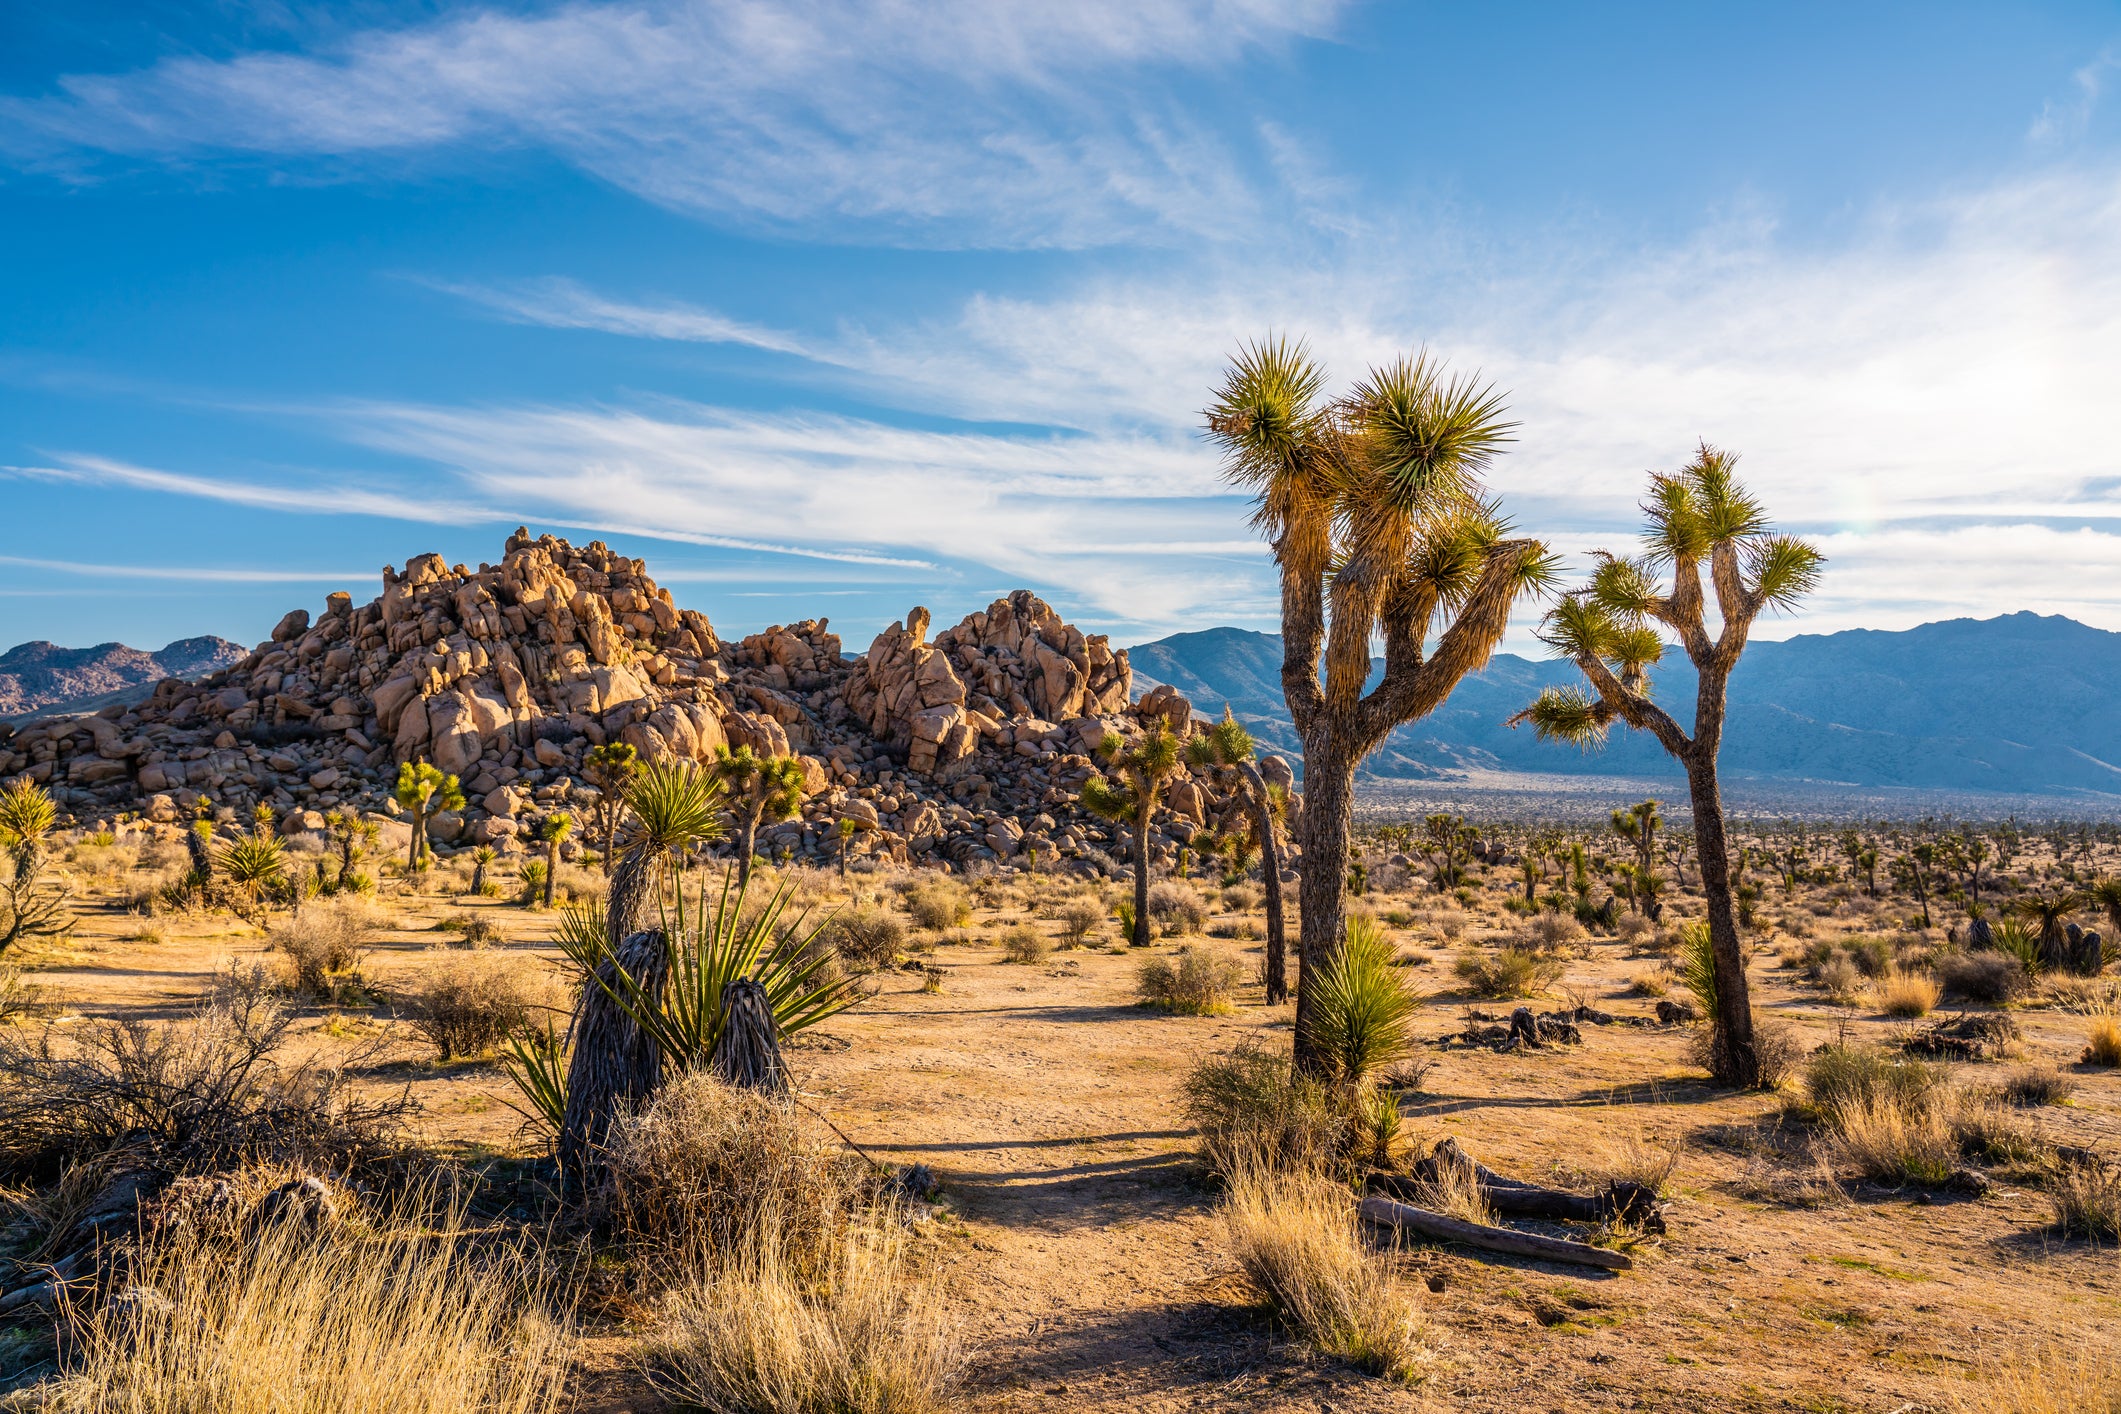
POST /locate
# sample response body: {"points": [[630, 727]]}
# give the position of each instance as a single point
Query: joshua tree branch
{"points": [[1415, 688], [1303, 618], [1635, 709]]}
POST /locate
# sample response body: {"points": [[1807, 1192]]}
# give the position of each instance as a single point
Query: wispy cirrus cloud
{"points": [[944, 122], [204, 574]]}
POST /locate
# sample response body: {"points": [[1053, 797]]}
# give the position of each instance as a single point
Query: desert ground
{"points": [[1076, 1235]]}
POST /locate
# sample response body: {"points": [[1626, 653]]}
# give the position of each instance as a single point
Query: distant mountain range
{"points": [[2021, 703], [40, 676]]}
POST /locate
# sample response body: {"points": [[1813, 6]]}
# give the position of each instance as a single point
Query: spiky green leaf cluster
{"points": [[674, 804]]}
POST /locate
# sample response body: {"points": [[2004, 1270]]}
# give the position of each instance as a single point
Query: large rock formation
{"points": [[38, 677], [970, 748]]}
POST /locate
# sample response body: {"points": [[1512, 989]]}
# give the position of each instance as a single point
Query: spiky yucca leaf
{"points": [[674, 803], [1566, 714], [1362, 1005], [536, 1063], [1697, 968]]}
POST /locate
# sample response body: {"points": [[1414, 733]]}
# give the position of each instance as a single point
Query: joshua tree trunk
{"points": [[552, 868], [1140, 938], [614, 1061], [1329, 797], [1737, 1055], [1270, 875], [419, 838]]}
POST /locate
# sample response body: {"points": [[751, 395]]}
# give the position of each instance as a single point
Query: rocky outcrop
{"points": [[40, 677], [966, 750]]}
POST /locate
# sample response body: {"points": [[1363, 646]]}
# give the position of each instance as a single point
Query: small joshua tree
{"points": [[1638, 825], [611, 769], [33, 908], [553, 831], [1227, 749], [424, 790], [1700, 520], [843, 831], [482, 859], [758, 788], [1142, 771], [1373, 506]]}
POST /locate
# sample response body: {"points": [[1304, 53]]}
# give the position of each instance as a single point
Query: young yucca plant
{"points": [[536, 1063], [1697, 966], [1362, 1004], [254, 866]]}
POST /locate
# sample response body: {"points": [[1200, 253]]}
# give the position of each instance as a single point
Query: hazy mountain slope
{"points": [[2017, 703], [37, 676]]}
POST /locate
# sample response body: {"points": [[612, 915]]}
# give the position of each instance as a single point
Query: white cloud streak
{"points": [[947, 122], [205, 574]]}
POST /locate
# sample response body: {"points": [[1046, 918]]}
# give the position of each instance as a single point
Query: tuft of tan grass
{"points": [[2102, 1043], [1905, 993], [2087, 1199], [1891, 1142], [467, 1003], [344, 1321], [1508, 974], [2057, 1381], [1026, 944], [1252, 1112], [1455, 1191], [865, 1336], [1637, 1158], [1298, 1240]]}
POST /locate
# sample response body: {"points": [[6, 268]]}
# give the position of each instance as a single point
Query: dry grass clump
{"points": [[348, 1320], [2033, 1087], [1176, 909], [1024, 943], [1553, 930], [1242, 898], [867, 938], [1991, 977], [1079, 918], [1299, 1241], [1889, 1142], [1839, 978], [208, 1092], [1191, 982], [1896, 1121], [1455, 1189], [1905, 993], [1638, 1159], [938, 903], [2087, 1199], [2058, 1381], [863, 1337], [1508, 973], [467, 1004], [1647, 984], [323, 944], [1251, 1111], [707, 1165], [2102, 1043]]}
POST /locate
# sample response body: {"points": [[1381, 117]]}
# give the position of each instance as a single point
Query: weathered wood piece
{"points": [[1409, 1218]]}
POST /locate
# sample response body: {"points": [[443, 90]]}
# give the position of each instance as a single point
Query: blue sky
{"points": [[832, 308]]}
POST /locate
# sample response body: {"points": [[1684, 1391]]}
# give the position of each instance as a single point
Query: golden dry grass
{"points": [[1906, 993], [345, 1322], [2054, 1382], [2102, 1043], [1298, 1240]]}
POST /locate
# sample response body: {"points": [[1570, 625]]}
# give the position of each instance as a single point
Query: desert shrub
{"points": [[1647, 984], [323, 945], [1846, 1077], [1079, 918], [1297, 1238], [1905, 994], [864, 1337], [1361, 1007], [354, 1318], [1175, 909], [938, 904], [1191, 982], [2056, 1381], [1507, 973], [2087, 1200], [207, 1092], [468, 930], [1553, 930], [1023, 943], [705, 1167], [1839, 978], [1873, 957], [1243, 898], [2102, 1043], [2035, 1086], [465, 1006], [1988, 976], [1250, 1109], [1633, 929], [1891, 1142], [867, 938]]}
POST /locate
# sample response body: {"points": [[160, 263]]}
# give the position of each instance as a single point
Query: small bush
{"points": [[1873, 957], [469, 930], [1297, 1238], [1361, 1007], [1191, 982], [867, 938], [1844, 1077], [1645, 984], [466, 1006], [2102, 1043], [937, 904], [1905, 994], [2034, 1087], [1507, 974], [1026, 944], [1890, 1142], [1079, 918], [1633, 929], [2087, 1199], [1176, 909], [1242, 898], [1250, 1109], [323, 944], [1553, 930], [1840, 979], [1990, 976]]}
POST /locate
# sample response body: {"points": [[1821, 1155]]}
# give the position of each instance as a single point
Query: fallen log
{"points": [[1633, 1203], [1408, 1218]]}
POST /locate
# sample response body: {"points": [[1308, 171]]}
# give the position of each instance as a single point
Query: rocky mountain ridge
{"points": [[969, 748], [39, 676]]}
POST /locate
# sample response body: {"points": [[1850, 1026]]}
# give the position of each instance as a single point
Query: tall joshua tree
{"points": [[1700, 520], [672, 805], [1226, 749], [611, 769], [758, 788], [553, 831], [1143, 769], [1373, 507], [425, 791]]}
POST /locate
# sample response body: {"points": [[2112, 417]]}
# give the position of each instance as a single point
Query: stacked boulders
{"points": [[970, 750]]}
